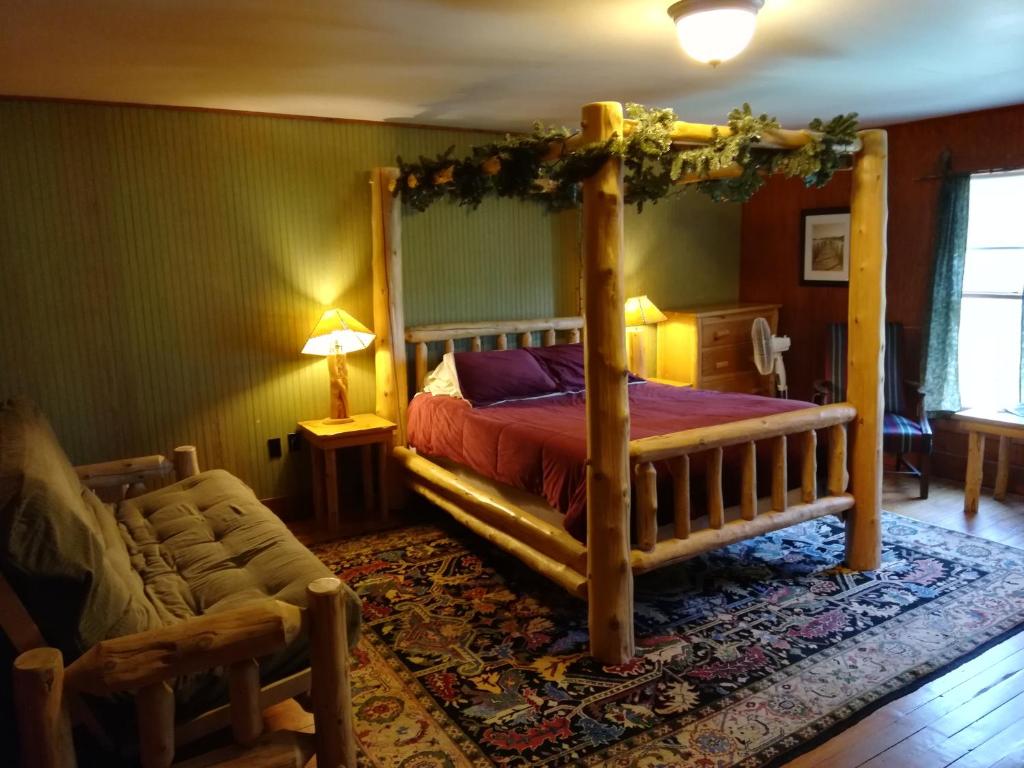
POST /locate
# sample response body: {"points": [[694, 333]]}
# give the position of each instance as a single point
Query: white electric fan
{"points": [[768, 351]]}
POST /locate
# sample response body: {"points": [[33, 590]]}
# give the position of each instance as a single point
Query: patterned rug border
{"points": [[955, 655], [897, 693], [910, 687]]}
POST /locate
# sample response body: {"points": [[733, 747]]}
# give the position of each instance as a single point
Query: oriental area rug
{"points": [[746, 656]]}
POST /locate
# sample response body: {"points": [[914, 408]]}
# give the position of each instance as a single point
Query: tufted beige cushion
{"points": [[206, 544]]}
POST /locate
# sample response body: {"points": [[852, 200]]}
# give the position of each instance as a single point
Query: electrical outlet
{"points": [[294, 441], [274, 447]]}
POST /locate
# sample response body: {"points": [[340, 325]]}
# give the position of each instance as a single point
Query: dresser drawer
{"points": [[747, 383], [735, 358], [729, 329]]}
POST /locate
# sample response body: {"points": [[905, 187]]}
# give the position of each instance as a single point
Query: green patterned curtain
{"points": [[941, 374]]}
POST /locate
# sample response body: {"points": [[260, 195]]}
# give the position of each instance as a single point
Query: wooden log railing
{"points": [[143, 664], [542, 545], [694, 134], [781, 138], [125, 478], [675, 450], [548, 328]]}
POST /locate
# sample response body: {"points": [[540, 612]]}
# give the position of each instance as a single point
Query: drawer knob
{"points": [[722, 364], [720, 334]]}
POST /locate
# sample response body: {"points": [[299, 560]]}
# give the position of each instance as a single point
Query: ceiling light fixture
{"points": [[713, 31]]}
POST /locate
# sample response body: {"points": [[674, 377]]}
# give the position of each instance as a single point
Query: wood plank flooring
{"points": [[971, 717]]}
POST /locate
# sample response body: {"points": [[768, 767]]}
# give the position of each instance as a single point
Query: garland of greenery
{"points": [[537, 166]]}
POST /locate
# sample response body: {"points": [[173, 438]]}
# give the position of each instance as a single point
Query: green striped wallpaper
{"points": [[161, 269], [684, 251]]}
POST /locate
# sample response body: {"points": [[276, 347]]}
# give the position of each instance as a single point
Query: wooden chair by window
{"points": [[905, 429]]}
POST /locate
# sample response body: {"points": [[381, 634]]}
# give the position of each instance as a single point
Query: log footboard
{"points": [[651, 551], [552, 552]]}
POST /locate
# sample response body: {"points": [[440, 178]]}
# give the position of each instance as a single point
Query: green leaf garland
{"points": [[537, 167]]}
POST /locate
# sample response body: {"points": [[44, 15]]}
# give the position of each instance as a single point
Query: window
{"points": [[990, 316]]}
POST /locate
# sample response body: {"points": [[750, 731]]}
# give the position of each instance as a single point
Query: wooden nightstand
{"points": [[367, 431]]}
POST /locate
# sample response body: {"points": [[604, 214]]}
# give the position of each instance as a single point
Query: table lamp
{"points": [[640, 312], [337, 334]]}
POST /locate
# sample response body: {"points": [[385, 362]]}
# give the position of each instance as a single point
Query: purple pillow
{"points": [[486, 378], [564, 363]]}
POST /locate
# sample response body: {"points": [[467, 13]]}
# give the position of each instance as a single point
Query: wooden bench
{"points": [[980, 422]]}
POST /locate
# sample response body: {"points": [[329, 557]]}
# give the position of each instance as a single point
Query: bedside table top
{"points": [[361, 424]]}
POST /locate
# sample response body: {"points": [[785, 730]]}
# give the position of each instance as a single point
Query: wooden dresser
{"points": [[710, 347]]}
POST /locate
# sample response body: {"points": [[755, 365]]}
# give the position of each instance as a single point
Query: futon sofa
{"points": [[85, 571]]}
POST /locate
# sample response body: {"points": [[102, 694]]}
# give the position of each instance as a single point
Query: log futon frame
{"points": [[47, 695], [602, 569]]}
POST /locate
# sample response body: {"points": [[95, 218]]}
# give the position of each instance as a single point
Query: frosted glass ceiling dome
{"points": [[713, 31]]}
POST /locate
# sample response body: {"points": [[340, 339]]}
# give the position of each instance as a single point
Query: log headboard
{"points": [[548, 327], [392, 334]]}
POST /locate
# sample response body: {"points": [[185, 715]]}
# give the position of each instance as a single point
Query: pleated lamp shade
{"points": [[641, 311], [336, 332]]}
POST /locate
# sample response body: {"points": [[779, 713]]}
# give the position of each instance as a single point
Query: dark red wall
{"points": [[769, 261]]}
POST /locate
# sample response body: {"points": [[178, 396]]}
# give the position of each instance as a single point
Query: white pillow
{"points": [[443, 380]]}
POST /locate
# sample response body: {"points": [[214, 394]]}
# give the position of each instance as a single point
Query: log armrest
{"points": [[121, 478], [143, 663], [111, 474], [132, 662]]}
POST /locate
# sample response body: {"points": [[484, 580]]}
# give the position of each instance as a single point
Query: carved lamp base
{"points": [[337, 369]]}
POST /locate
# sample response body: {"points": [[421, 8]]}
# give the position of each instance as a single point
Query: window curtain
{"points": [[941, 374]]}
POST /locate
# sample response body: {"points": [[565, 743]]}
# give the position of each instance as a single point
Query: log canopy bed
{"points": [[618, 469]]}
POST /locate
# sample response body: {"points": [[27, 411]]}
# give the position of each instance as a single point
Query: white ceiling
{"points": [[504, 63]]}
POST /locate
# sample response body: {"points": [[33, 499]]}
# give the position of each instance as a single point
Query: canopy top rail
{"points": [[696, 134], [727, 162], [782, 138]]}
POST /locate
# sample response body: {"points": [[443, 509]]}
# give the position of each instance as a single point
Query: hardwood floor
{"points": [[971, 717]]}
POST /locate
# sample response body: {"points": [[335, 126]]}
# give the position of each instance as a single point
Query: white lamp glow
{"points": [[713, 31], [640, 312]]}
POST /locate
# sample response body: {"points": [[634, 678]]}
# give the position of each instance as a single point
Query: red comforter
{"points": [[540, 445]]}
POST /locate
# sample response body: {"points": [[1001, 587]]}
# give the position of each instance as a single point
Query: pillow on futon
{"points": [[60, 547], [564, 363], [489, 378]]}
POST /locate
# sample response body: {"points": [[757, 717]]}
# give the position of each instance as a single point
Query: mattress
{"points": [[539, 445]]}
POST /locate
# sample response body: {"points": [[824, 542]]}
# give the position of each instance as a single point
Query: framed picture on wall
{"points": [[825, 246]]}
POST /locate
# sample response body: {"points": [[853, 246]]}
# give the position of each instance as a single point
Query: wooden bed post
{"points": [[609, 573], [866, 350], [388, 314]]}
